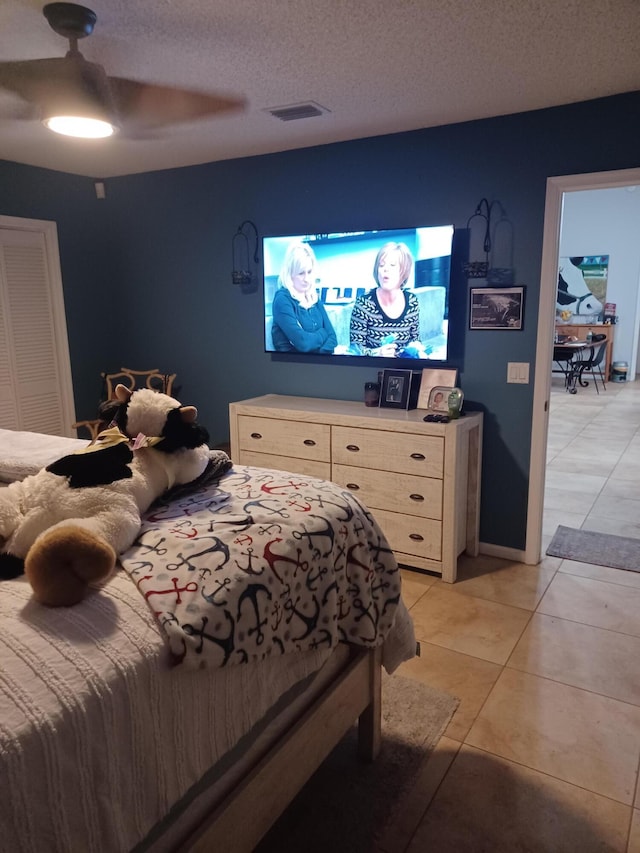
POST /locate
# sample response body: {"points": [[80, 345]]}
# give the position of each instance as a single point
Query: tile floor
{"points": [[543, 751]]}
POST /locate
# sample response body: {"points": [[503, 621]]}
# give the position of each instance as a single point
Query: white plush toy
{"points": [[69, 521]]}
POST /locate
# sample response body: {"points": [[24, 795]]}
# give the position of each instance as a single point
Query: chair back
{"points": [[131, 379], [599, 354]]}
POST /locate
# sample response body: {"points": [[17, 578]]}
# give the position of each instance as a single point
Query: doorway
{"points": [[556, 189]]}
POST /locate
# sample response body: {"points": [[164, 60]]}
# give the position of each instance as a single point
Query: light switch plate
{"points": [[518, 372]]}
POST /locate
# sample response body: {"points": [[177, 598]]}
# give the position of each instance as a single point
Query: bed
{"points": [[24, 453], [183, 704]]}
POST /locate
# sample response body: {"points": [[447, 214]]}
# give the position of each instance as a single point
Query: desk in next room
{"points": [[570, 359], [421, 480], [580, 331]]}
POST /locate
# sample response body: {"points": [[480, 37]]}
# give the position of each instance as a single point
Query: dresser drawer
{"points": [[284, 438], [402, 493], [306, 467], [421, 481], [422, 455], [420, 537]]}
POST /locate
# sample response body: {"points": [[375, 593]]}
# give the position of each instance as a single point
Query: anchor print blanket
{"points": [[263, 563]]}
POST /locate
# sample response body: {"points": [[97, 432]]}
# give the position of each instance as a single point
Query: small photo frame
{"points": [[439, 399], [496, 308], [395, 389], [434, 377]]}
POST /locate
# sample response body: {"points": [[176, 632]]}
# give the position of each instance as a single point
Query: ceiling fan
{"points": [[76, 97]]}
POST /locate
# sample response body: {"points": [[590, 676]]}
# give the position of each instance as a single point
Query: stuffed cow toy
{"points": [[65, 525]]}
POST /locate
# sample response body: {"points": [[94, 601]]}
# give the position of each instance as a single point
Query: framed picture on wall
{"points": [[496, 308]]}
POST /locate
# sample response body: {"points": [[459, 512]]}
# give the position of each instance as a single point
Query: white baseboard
{"points": [[513, 554]]}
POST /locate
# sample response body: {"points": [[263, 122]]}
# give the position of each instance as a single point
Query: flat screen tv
{"points": [[359, 293]]}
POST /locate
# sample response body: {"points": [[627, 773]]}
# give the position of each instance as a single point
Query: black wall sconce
{"points": [[241, 255], [479, 269], [496, 276]]}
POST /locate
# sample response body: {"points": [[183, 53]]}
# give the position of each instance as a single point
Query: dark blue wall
{"points": [[147, 271], [90, 291]]}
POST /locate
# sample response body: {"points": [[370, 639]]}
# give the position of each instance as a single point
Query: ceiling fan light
{"points": [[80, 126], [77, 100]]}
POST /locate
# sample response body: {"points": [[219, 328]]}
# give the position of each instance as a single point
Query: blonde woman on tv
{"points": [[300, 321]]}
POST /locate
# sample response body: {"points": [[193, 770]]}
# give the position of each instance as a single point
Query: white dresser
{"points": [[421, 480]]}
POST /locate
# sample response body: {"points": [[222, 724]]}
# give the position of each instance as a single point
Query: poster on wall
{"points": [[582, 288], [496, 308]]}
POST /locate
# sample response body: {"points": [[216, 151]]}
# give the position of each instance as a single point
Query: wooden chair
{"points": [[132, 379]]}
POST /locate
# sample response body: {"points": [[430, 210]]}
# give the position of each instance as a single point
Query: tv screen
{"points": [[359, 293]]}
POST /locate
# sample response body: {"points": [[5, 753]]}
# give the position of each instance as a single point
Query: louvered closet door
{"points": [[31, 386]]}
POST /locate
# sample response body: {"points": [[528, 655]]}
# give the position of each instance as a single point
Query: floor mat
{"points": [[600, 549]]}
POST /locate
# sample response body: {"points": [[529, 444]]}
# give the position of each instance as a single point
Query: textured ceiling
{"points": [[377, 67]]}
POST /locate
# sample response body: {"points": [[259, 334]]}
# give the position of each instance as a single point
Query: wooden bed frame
{"points": [[269, 787]]}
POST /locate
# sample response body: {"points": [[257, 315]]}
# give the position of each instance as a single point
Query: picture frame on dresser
{"points": [[395, 390], [435, 377], [439, 399]]}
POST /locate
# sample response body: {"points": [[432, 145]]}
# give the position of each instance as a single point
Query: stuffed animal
{"points": [[65, 525]]}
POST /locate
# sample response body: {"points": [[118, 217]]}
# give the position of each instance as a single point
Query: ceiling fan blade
{"points": [[16, 109], [58, 82], [31, 78], [142, 106], [71, 85]]}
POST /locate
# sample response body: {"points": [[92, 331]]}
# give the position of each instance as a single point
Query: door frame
{"points": [[556, 188]]}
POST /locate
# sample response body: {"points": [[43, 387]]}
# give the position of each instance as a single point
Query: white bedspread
{"points": [[98, 737], [24, 453]]}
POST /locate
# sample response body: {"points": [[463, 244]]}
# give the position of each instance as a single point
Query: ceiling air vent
{"points": [[293, 112]]}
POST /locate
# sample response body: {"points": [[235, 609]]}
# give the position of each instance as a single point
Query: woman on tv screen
{"points": [[300, 322], [386, 320]]}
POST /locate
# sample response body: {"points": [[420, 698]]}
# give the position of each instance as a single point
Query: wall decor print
{"points": [[496, 308], [582, 288]]}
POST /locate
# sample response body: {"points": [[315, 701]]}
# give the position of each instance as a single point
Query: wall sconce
{"points": [[496, 276], [240, 254], [479, 269]]}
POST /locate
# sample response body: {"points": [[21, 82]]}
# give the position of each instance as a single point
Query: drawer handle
{"points": [[255, 435], [353, 486], [353, 448], [309, 442], [416, 537], [418, 456], [417, 497]]}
